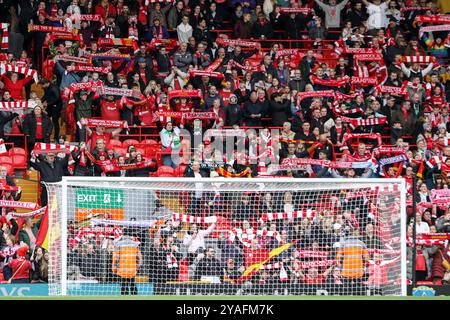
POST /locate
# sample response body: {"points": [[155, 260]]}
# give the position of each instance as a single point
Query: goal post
{"points": [[227, 236]]}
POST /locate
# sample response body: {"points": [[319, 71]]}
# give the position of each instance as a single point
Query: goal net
{"points": [[225, 236]]}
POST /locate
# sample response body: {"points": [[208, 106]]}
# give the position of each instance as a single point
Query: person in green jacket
{"points": [[28, 233]]}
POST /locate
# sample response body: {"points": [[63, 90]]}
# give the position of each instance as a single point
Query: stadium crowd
{"points": [[335, 89]]}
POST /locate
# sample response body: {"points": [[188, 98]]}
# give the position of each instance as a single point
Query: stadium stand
{"points": [[87, 85]]}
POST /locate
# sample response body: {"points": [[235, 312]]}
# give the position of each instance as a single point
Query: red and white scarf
{"points": [[443, 27], [31, 214], [17, 105], [315, 254], [193, 219], [348, 111], [18, 204], [120, 92], [247, 235], [364, 122], [43, 148], [316, 264], [5, 35], [22, 70]]}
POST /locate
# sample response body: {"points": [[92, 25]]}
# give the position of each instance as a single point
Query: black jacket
{"points": [[253, 108], [279, 112], [3, 121], [233, 115], [50, 172], [53, 99], [208, 267], [29, 127]]}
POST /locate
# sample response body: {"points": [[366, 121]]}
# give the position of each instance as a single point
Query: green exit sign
{"points": [[93, 198]]}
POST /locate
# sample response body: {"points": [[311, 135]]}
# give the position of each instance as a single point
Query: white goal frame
{"points": [[67, 180]]}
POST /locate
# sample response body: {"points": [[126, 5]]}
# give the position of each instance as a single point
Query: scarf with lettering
{"points": [[311, 94], [120, 92], [90, 122], [87, 17], [435, 18], [304, 11], [79, 68], [122, 42], [109, 56], [71, 59], [363, 81], [111, 166], [31, 214], [202, 73], [41, 28], [214, 65], [233, 42], [443, 27], [19, 204], [249, 68], [51, 37], [184, 94], [330, 82]]}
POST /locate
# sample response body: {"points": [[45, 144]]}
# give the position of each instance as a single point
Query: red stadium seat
{"points": [[179, 171], [165, 171], [115, 143], [20, 161], [122, 151], [129, 142], [6, 160], [16, 150], [149, 142]]}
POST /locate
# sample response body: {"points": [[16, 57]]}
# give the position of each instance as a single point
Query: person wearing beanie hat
{"points": [[20, 266], [233, 112]]}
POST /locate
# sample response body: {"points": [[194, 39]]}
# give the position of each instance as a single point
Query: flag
{"points": [[254, 268], [42, 239]]}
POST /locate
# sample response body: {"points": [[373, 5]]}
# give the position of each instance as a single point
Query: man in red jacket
{"points": [[21, 267]]}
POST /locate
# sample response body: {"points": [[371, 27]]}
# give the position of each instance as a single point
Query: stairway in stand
{"points": [[29, 187]]}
